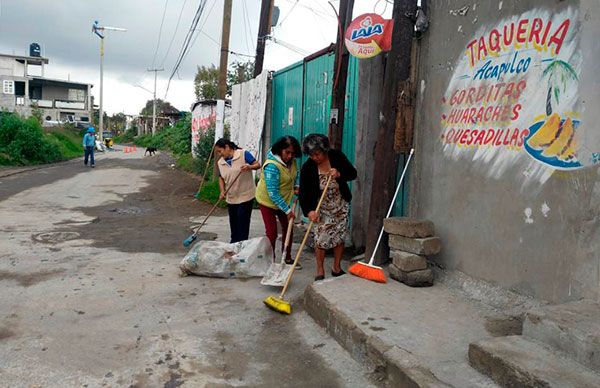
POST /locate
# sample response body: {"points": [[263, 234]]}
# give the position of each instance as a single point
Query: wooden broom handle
{"points": [[206, 168], [288, 234], [217, 203], [287, 281]]}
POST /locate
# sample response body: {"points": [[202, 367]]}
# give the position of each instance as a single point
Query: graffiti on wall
{"points": [[203, 118], [513, 97]]}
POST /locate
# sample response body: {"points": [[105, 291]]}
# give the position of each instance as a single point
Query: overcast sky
{"points": [[63, 29]]}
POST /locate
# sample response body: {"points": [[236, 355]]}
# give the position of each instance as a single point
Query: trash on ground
{"points": [[245, 259]]}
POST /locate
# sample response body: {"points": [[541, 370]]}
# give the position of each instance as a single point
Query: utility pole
{"points": [[340, 66], [397, 72], [224, 49], [264, 29], [101, 107], [154, 101], [99, 30]]}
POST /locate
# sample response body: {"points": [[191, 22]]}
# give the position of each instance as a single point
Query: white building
{"points": [[24, 87]]}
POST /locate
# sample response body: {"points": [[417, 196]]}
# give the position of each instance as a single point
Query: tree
{"points": [[162, 107], [206, 82], [239, 72], [117, 122]]}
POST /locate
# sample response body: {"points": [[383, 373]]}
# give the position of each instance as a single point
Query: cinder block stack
{"points": [[411, 241]]}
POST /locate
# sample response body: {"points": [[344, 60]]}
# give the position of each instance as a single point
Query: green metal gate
{"points": [[287, 102], [302, 100]]}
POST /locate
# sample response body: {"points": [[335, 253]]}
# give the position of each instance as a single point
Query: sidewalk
{"points": [[416, 337]]}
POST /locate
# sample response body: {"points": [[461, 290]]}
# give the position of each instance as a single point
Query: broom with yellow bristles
{"points": [[368, 270], [278, 303]]}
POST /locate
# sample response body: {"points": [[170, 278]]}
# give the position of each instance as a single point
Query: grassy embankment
{"points": [[24, 142], [177, 141]]}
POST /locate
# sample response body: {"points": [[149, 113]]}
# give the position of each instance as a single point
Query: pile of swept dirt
{"points": [[155, 219]]}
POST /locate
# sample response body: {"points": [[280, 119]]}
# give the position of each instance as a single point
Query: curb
{"points": [[20, 170], [400, 367]]}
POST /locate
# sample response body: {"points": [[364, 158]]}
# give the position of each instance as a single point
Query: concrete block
{"points": [[420, 246], [422, 278], [408, 227], [573, 328], [407, 261], [514, 361], [501, 325], [399, 367], [337, 324], [405, 370]]}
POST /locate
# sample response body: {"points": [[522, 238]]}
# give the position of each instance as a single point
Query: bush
{"points": [[23, 142], [127, 137], [210, 193]]}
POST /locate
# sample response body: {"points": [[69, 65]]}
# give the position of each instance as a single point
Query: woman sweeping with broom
{"points": [[331, 222], [235, 174], [276, 188]]}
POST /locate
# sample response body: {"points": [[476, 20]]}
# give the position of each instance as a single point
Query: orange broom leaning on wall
{"points": [[368, 270]]}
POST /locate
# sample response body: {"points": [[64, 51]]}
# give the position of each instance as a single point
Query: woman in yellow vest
{"points": [[240, 197], [279, 181]]}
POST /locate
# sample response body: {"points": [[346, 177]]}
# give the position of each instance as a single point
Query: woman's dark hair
{"points": [[315, 142], [285, 142], [222, 142]]}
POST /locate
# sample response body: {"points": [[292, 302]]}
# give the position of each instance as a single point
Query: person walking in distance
{"points": [[89, 142]]}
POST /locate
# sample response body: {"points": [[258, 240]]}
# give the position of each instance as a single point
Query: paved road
{"points": [[91, 294]]}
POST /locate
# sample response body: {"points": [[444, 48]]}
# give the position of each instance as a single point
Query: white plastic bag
{"points": [[245, 259]]}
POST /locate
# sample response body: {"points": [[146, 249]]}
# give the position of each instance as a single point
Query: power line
{"points": [[289, 46], [250, 29], [174, 33], [314, 11], [186, 42], [210, 37], [200, 29], [245, 26], [289, 12], [160, 32], [219, 44]]}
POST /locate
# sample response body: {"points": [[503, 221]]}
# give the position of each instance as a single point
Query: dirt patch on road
{"points": [[30, 279], [155, 219]]}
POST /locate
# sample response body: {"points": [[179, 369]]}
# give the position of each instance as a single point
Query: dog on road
{"points": [[151, 150]]}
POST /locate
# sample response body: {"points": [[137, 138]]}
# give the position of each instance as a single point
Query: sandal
{"points": [[290, 262], [336, 274]]}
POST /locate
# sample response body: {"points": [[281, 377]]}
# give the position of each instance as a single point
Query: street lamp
{"points": [[99, 30]]}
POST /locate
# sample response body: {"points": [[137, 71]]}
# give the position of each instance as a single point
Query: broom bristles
{"points": [[369, 272], [278, 304]]}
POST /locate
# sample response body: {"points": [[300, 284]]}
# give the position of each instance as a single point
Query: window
{"points": [[76, 95], [8, 87]]}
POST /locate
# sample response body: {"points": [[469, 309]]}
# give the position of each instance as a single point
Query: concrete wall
{"points": [[9, 66], [516, 199]]}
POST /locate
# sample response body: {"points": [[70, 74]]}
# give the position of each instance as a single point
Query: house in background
{"points": [[23, 87]]}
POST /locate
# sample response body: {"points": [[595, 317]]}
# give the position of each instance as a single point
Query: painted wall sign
{"points": [[368, 35], [513, 97], [203, 118]]}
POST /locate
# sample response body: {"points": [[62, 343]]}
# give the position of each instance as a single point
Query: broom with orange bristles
{"points": [[368, 270]]}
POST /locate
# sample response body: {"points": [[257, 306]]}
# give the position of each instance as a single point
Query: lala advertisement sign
{"points": [[368, 35]]}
